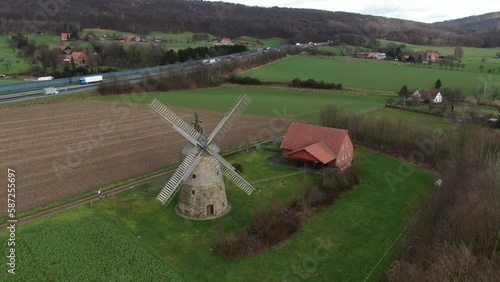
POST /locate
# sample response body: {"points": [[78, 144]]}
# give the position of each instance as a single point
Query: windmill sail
{"points": [[228, 120], [230, 172], [179, 176], [177, 123], [202, 144]]}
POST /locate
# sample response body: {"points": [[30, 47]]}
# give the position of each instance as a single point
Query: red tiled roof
{"points": [[318, 150], [429, 94], [301, 135], [77, 57]]}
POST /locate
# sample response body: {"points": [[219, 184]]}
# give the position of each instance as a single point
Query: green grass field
{"points": [[52, 41], [9, 63], [366, 74], [268, 101], [183, 40], [418, 119], [131, 237], [256, 43], [472, 57], [7, 80], [81, 245]]}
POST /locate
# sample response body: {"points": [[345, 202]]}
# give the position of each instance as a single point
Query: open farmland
{"points": [[112, 238], [62, 149], [277, 102], [367, 74], [86, 247]]}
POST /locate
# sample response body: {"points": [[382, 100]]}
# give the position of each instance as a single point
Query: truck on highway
{"points": [[45, 78], [50, 91], [91, 79], [209, 61]]}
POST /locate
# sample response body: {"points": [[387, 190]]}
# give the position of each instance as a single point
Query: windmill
{"points": [[200, 175]]}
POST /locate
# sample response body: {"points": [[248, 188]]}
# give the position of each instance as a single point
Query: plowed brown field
{"points": [[62, 149]]}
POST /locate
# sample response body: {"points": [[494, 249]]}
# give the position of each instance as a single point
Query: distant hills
{"points": [[483, 23], [233, 20]]}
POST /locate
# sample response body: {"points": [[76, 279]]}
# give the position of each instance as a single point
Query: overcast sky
{"points": [[423, 10]]}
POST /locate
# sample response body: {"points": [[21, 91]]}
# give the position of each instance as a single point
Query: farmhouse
{"points": [[65, 36], [428, 95], [129, 38], [78, 58], [371, 55], [65, 49], [222, 41], [429, 56], [321, 145]]}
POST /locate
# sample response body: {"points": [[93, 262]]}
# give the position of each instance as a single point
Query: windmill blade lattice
{"points": [[228, 120], [230, 172], [177, 123], [179, 176]]}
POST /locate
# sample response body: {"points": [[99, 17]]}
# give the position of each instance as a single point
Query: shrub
{"points": [[238, 167], [267, 228], [334, 179], [245, 80], [353, 172], [311, 83]]}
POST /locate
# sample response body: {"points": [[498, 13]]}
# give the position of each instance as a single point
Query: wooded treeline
{"points": [[456, 234], [225, 19]]}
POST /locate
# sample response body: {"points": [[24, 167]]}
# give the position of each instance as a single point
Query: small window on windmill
{"points": [[217, 172], [192, 192], [194, 176], [220, 187]]}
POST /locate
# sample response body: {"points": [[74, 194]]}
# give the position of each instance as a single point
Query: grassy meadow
{"points": [[413, 118], [9, 80], [355, 73], [183, 40], [9, 63], [130, 236], [472, 56], [267, 101]]}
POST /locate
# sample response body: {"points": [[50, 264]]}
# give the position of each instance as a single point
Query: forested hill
{"points": [[483, 23], [222, 19]]}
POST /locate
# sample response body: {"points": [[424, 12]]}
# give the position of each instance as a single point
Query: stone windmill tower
{"points": [[200, 175]]}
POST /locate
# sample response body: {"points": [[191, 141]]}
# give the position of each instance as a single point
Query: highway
{"points": [[34, 90], [76, 87]]}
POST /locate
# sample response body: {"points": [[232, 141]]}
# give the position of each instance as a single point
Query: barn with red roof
{"points": [[321, 145]]}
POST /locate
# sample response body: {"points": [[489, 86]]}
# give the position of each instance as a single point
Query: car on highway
{"points": [[2, 75]]}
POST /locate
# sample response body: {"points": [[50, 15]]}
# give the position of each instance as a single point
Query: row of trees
{"points": [[202, 76], [145, 55], [456, 233], [316, 84], [113, 55]]}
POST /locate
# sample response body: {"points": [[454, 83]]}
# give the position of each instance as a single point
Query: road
{"points": [[34, 90]]}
